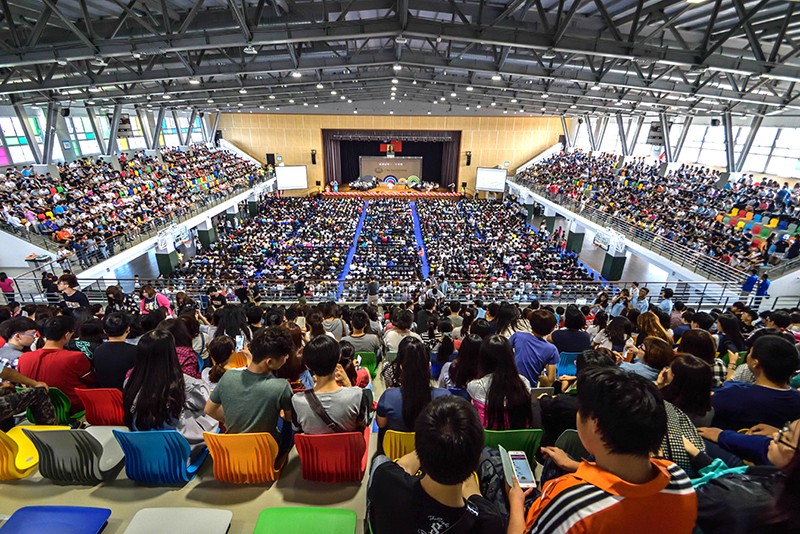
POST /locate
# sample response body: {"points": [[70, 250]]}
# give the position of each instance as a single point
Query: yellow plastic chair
{"points": [[18, 456], [243, 458], [398, 444]]}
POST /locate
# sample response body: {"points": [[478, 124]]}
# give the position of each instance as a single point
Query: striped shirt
{"points": [[593, 500]]}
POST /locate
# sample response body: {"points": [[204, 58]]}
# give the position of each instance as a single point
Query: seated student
{"points": [[359, 376], [446, 497], [63, 369], [20, 333], [361, 341], [158, 395], [502, 395], [687, 384], [114, 358], [533, 353], [220, 351], [251, 399], [621, 422], [656, 355], [34, 396], [329, 407], [773, 361]]}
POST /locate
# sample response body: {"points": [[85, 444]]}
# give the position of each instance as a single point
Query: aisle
{"points": [[426, 269], [352, 252]]}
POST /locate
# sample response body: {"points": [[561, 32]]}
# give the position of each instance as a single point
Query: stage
{"points": [[392, 191]]}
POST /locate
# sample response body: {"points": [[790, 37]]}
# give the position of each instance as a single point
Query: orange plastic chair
{"points": [[398, 444], [333, 457], [237, 360], [18, 456], [243, 458], [103, 406], [749, 215]]}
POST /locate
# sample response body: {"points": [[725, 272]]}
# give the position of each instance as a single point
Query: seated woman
{"points": [[655, 355], [464, 367], [183, 344], [220, 351], [501, 395], [359, 376], [616, 336], [687, 384], [294, 370], [328, 407], [158, 395], [399, 407], [701, 343], [444, 349]]}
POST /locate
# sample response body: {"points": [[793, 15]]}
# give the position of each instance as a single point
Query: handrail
{"points": [[783, 267], [682, 255]]}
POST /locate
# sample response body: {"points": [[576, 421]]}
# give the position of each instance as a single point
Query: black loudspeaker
{"points": [[65, 112], [469, 158], [562, 139], [271, 159], [217, 135], [319, 183], [313, 157], [715, 122], [463, 184]]}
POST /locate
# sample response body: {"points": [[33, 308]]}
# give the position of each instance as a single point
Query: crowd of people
{"points": [[641, 401], [90, 208], [636, 193]]}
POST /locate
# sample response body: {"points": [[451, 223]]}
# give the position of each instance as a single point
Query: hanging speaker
{"points": [[319, 183], [271, 159], [469, 158], [65, 112], [463, 184], [313, 157]]}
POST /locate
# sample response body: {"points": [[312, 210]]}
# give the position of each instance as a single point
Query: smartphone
{"points": [[522, 469], [239, 343]]}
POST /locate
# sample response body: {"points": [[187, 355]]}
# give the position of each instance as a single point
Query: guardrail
{"points": [[682, 255], [698, 295]]}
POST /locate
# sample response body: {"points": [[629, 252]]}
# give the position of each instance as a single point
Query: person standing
{"points": [[750, 283], [7, 286], [373, 289], [761, 290]]}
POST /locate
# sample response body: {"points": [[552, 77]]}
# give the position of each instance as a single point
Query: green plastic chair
{"points": [[527, 440], [741, 359], [369, 361], [62, 406], [306, 520]]}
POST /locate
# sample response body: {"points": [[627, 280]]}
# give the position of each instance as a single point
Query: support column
{"points": [[145, 126], [252, 204], [613, 264], [206, 233], [575, 237], [212, 135], [531, 211], [22, 117], [62, 135], [623, 140], [566, 131], [113, 147], [178, 127], [730, 155], [166, 255], [192, 118], [95, 128], [157, 127], [49, 133], [550, 219], [665, 132], [232, 215]]}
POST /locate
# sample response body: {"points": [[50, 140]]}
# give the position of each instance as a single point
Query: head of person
{"points": [[702, 320], [212, 292], [643, 292], [220, 350], [314, 322], [574, 318], [179, 332], [91, 330], [254, 315], [543, 322], [148, 292], [778, 319], [347, 353], [619, 413], [446, 344], [737, 308], [619, 330], [774, 358], [67, 281], [657, 352], [455, 307], [58, 329], [359, 320], [699, 343], [271, 347], [156, 385], [114, 295], [729, 325], [600, 320], [321, 355], [403, 319], [20, 332], [592, 358], [667, 292], [413, 360], [508, 397], [232, 322], [467, 364], [689, 382], [506, 317], [449, 440], [430, 304], [649, 324]]}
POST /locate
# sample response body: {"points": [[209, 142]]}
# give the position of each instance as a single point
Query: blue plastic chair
{"points": [[460, 392], [757, 218], [436, 367], [566, 363], [57, 520], [158, 457]]}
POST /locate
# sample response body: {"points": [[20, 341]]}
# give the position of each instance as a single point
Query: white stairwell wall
{"points": [[227, 145], [13, 251]]}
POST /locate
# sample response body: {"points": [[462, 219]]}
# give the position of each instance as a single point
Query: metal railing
{"points": [[698, 295], [682, 255]]}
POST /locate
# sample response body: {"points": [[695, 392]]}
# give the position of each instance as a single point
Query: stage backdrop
{"points": [[387, 168]]}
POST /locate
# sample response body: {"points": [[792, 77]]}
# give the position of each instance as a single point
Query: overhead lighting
{"points": [[242, 91], [94, 89], [261, 107], [355, 111], [297, 74], [342, 97], [316, 105], [62, 62], [210, 100], [595, 87], [291, 100], [305, 104], [272, 97], [478, 106], [544, 109], [513, 100], [397, 66], [333, 92], [98, 62], [394, 89], [496, 77], [320, 86], [429, 113], [166, 96], [240, 104], [573, 106], [467, 108], [136, 54], [618, 103], [505, 111], [249, 49], [277, 109], [545, 95], [470, 88], [391, 98], [90, 102], [453, 94], [194, 81], [400, 39], [442, 98], [493, 104], [691, 98], [391, 113], [414, 82], [549, 54], [395, 81]]}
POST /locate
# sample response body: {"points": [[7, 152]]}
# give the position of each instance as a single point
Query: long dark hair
{"points": [[507, 393], [446, 346], [232, 322], [690, 389], [294, 365], [219, 350], [413, 359], [731, 329], [507, 317], [618, 330], [156, 385], [180, 333], [469, 315], [786, 510], [465, 366], [698, 343], [315, 327]]}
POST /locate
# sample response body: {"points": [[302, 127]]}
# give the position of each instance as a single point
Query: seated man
{"points": [[772, 360], [34, 397], [63, 369], [446, 497], [20, 333], [533, 353], [621, 422], [251, 399], [329, 407], [361, 341]]}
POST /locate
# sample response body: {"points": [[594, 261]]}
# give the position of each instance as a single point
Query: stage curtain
{"points": [[332, 158], [451, 153]]}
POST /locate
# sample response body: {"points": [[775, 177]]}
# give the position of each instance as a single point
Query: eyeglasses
{"points": [[780, 438], [29, 334]]}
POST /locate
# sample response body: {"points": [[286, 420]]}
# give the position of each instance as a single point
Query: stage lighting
{"points": [[313, 157], [469, 158]]}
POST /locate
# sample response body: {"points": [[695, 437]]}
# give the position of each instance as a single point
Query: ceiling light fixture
{"points": [[400, 39], [442, 98], [342, 97], [513, 100], [470, 88], [395, 81], [305, 104], [62, 62], [94, 89], [573, 106], [595, 87], [453, 94], [242, 91], [333, 92], [291, 100], [497, 77], [90, 102], [545, 95], [397, 66], [250, 50], [549, 54], [320, 86], [98, 62], [210, 100], [272, 97], [166, 96], [493, 104], [194, 81], [136, 54], [297, 74]]}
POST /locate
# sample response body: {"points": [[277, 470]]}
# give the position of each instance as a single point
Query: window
{"points": [[4, 159], [14, 135]]}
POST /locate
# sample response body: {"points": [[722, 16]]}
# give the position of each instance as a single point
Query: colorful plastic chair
{"points": [[757, 218], [398, 444], [180, 521], [103, 406], [749, 216], [734, 212], [57, 520], [158, 457], [333, 457], [527, 440], [62, 406], [306, 520], [243, 458], [566, 363], [369, 361], [18, 456], [77, 456]]}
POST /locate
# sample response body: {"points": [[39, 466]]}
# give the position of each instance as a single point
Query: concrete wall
{"points": [[14, 250]]}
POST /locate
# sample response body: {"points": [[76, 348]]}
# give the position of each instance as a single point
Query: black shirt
{"points": [[569, 340], [76, 300], [112, 360], [373, 288], [399, 505], [218, 302]]}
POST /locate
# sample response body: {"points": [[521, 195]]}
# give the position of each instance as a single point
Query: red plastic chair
{"points": [[333, 457], [103, 406]]}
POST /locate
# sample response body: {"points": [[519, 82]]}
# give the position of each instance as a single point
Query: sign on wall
{"points": [[125, 128]]}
